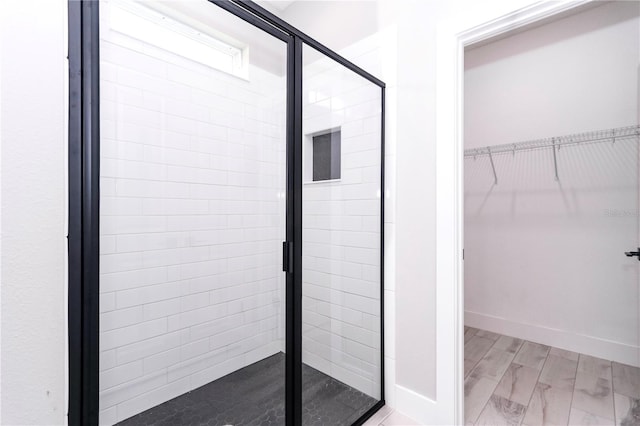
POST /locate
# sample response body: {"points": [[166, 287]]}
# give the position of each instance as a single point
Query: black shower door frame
{"points": [[84, 204]]}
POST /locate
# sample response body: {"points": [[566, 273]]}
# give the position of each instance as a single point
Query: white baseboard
{"points": [[589, 345]]}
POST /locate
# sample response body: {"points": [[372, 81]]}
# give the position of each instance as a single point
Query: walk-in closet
{"points": [[551, 221]]}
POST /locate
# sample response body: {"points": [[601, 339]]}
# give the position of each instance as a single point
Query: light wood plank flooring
{"points": [[509, 381]]}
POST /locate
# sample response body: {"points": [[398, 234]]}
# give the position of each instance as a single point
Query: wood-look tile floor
{"points": [[510, 381]]}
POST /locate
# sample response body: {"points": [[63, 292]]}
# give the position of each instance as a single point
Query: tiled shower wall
{"points": [[192, 219], [341, 220]]}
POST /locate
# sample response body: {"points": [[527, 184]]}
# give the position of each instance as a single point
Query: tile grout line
{"points": [[474, 367], [537, 381], [505, 371], [476, 363], [513, 362], [613, 394], [573, 389]]}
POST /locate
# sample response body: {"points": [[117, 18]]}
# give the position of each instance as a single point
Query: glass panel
{"points": [[341, 304], [192, 216]]}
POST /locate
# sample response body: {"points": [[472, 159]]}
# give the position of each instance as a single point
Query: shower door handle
{"points": [[287, 256], [633, 253]]}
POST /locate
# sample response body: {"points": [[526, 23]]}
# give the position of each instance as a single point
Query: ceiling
{"points": [[278, 5]]}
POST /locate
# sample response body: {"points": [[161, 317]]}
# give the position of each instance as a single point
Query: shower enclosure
{"points": [[226, 220]]}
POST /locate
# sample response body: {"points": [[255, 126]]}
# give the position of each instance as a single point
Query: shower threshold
{"points": [[254, 395]]}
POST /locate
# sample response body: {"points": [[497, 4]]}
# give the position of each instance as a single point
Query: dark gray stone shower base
{"points": [[254, 395]]}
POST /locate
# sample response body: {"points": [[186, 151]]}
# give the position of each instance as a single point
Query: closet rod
{"points": [[609, 135]]}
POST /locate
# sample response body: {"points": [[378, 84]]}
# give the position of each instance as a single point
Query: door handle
{"points": [[287, 256], [633, 253]]}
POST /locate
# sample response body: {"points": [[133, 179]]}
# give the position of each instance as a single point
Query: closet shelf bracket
{"points": [[555, 160], [493, 167]]}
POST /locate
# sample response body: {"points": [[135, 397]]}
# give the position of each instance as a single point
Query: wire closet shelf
{"points": [[555, 143], [608, 135]]}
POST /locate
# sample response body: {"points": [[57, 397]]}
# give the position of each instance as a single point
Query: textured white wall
{"points": [[545, 258], [192, 220], [33, 100]]}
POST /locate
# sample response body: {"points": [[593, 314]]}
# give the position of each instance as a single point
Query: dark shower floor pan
{"points": [[254, 395]]}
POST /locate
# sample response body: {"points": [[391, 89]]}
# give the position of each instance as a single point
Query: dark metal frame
{"points": [[84, 199]]}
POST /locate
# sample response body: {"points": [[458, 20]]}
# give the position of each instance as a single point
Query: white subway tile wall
{"points": [[341, 229], [192, 220]]}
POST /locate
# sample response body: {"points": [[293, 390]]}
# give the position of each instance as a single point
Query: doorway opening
{"points": [[551, 299]]}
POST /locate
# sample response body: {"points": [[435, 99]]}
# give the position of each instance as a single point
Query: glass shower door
{"points": [[192, 214], [341, 263]]}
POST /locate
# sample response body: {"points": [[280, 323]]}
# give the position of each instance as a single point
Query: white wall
{"points": [[192, 220], [415, 192], [2, 12], [544, 259], [33, 167], [572, 75]]}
